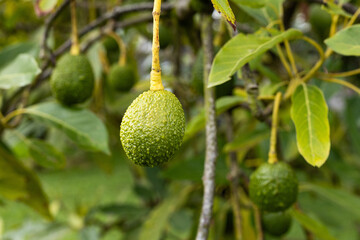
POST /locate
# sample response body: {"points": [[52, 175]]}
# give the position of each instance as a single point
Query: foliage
{"points": [[65, 175]]}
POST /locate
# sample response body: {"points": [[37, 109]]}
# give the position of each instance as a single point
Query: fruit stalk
{"points": [[122, 47], [272, 151], [155, 75], [75, 49]]}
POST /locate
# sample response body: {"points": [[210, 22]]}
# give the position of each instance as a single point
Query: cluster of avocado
{"points": [[153, 128], [273, 188], [72, 81]]}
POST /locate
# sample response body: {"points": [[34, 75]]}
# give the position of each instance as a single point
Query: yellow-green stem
{"points": [[318, 63], [155, 75], [353, 18], [283, 61], [122, 47], [289, 52], [342, 74], [342, 82], [272, 152], [75, 48], [12, 115]]}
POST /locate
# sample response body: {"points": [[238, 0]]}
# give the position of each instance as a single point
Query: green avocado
{"points": [[273, 187], [197, 81], [320, 21], [112, 49], [277, 223], [122, 78], [72, 81], [153, 128]]}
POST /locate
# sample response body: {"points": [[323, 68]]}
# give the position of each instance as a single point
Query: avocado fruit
{"points": [[122, 78], [273, 187], [153, 128], [72, 81]]}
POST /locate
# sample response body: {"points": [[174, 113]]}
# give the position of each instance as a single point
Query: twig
{"points": [[260, 234], [347, 7], [47, 27], [211, 143]]}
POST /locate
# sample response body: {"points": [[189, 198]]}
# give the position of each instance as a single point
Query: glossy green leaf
{"points": [[251, 3], [312, 225], [80, 125], [33, 194], [9, 53], [20, 72], [45, 154], [155, 225], [336, 9], [346, 42], [198, 122], [223, 7], [309, 113], [270, 12], [346, 200], [240, 50]]}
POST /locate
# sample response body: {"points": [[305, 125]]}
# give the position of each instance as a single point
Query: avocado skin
{"points": [[277, 223], [273, 187], [122, 78], [72, 81], [153, 128]]}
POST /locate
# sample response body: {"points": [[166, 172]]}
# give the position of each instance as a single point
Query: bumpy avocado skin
{"points": [[273, 187], [72, 81], [276, 224], [122, 78], [153, 128]]}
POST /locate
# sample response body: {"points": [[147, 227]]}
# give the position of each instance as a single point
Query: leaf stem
{"points": [[318, 64], [155, 75], [13, 114], [122, 47], [283, 61], [289, 51], [342, 82], [75, 48], [342, 74], [272, 152], [353, 18]]}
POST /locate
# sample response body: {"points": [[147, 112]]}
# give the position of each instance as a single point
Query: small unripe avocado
{"points": [[72, 81], [273, 187], [153, 128], [112, 49], [277, 223], [122, 78]]}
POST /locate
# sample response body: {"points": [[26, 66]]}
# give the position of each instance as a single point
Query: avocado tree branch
{"points": [[47, 27], [211, 138]]}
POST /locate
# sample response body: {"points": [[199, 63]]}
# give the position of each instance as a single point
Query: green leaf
{"points": [[346, 42], [251, 3], [45, 154], [9, 53], [80, 125], [346, 200], [312, 225], [223, 7], [20, 72], [352, 122], [336, 9], [33, 194], [242, 49], [155, 225], [309, 113], [222, 104]]}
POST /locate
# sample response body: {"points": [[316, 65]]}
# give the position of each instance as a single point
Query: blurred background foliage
{"points": [[95, 196]]}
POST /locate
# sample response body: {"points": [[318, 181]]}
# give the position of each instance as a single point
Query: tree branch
{"points": [[211, 141], [48, 24]]}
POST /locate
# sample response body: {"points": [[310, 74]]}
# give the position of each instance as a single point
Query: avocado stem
{"points": [[272, 152], [122, 47], [155, 75], [75, 49]]}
